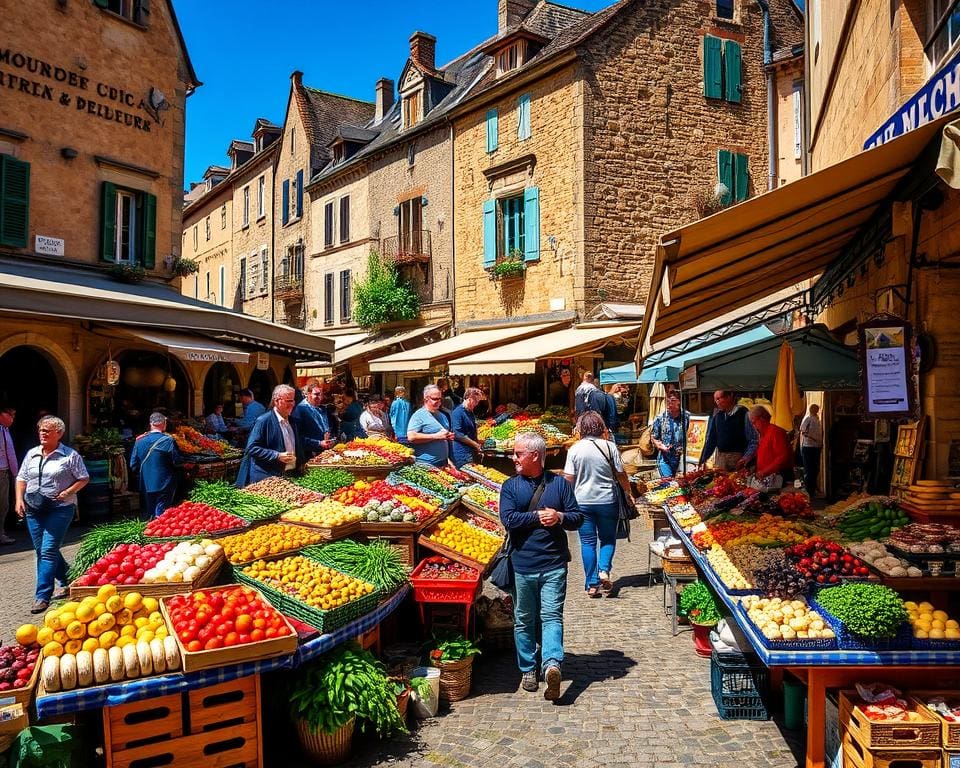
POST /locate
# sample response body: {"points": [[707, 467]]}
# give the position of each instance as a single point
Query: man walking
{"points": [[272, 448], [154, 456], [537, 508], [8, 467], [311, 422], [811, 446], [400, 414], [730, 434]]}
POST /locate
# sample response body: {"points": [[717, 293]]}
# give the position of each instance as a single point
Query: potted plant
{"points": [[698, 604], [334, 693], [101, 444], [510, 265], [182, 266], [127, 273], [425, 692], [453, 656]]}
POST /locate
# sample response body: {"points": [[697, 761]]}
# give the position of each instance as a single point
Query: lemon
{"points": [[60, 636], [132, 600], [124, 641], [115, 603], [941, 615], [73, 647], [925, 606], [951, 633], [108, 639], [146, 635], [91, 644], [76, 630], [936, 634], [85, 612], [109, 590], [53, 648], [129, 630], [151, 604], [27, 634], [44, 635]]}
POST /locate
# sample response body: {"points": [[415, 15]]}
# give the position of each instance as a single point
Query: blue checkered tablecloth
{"points": [[96, 697], [813, 657]]}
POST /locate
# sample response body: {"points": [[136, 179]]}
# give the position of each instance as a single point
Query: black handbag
{"points": [[501, 573], [626, 509]]}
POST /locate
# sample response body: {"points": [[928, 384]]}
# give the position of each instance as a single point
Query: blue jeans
{"points": [[539, 598], [155, 502], [48, 529], [668, 468], [599, 521]]}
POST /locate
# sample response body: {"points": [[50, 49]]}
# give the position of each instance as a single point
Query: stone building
{"points": [[208, 238]]}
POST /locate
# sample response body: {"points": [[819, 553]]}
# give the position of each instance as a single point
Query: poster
{"points": [[887, 365], [696, 437]]}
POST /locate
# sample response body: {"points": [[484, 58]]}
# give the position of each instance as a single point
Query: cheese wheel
{"points": [[117, 670], [145, 658], [172, 651], [84, 669], [159, 657], [131, 663], [68, 672], [50, 673], [101, 666]]}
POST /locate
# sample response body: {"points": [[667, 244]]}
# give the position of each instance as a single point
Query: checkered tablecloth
{"points": [[96, 697]]}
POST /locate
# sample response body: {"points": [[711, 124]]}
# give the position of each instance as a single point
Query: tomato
{"points": [[228, 611], [231, 638], [244, 622], [270, 632], [257, 635], [200, 597], [188, 634], [244, 638], [194, 645], [206, 634], [212, 644], [224, 628], [258, 623]]}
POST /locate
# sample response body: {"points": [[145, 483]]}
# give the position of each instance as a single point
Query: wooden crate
{"points": [[233, 747], [206, 578], [950, 732], [224, 705], [370, 639], [869, 734], [15, 707], [404, 543], [325, 532], [128, 726], [950, 759], [858, 756]]}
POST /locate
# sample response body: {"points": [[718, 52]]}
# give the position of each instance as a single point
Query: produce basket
{"points": [[950, 735], [935, 644], [445, 503], [848, 641], [443, 549], [443, 590], [679, 566], [455, 678], [739, 688], [480, 509], [273, 555], [326, 532], [922, 733], [801, 644], [200, 535], [931, 563], [23, 697], [161, 589]]}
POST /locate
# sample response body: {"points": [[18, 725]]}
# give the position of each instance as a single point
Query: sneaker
{"points": [[529, 681], [39, 607], [552, 691]]}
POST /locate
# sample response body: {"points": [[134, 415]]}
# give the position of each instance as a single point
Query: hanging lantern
{"points": [[111, 373], [170, 385]]}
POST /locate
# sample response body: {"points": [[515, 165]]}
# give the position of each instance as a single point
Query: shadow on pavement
{"points": [[584, 670]]}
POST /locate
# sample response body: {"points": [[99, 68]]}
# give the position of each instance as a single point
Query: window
{"points": [[725, 9], [412, 109], [243, 277], [207, 297], [132, 10], [261, 197], [510, 58], [293, 141], [207, 227], [328, 298], [223, 216], [264, 268], [298, 196], [14, 201], [344, 296], [246, 206], [196, 245], [523, 117], [285, 201], [512, 225], [196, 286], [128, 226], [345, 219], [223, 284], [733, 173], [291, 267], [722, 69], [328, 225], [492, 130], [798, 120], [411, 226], [944, 30]]}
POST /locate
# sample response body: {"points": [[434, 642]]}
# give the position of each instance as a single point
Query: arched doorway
{"points": [[28, 382], [221, 387], [262, 384], [141, 390]]}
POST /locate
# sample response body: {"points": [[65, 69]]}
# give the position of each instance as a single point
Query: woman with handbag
{"points": [[601, 487], [47, 485]]}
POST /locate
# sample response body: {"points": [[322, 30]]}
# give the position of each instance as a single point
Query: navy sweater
{"points": [[537, 548]]}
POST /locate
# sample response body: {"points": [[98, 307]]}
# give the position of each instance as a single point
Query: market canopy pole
{"points": [[786, 395]]}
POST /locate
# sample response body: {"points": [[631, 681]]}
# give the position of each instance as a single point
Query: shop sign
{"points": [[886, 363], [939, 95], [688, 379], [207, 356], [263, 361], [48, 246]]}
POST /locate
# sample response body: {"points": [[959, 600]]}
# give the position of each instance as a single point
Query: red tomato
{"points": [[187, 635], [257, 635], [270, 632], [231, 638], [212, 644], [258, 623], [244, 638], [244, 622]]}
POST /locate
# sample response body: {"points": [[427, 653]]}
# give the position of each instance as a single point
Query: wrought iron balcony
{"points": [[408, 248], [288, 288]]}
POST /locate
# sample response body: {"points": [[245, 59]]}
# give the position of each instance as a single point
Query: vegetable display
{"points": [[363, 452], [266, 541], [192, 519], [124, 564], [376, 562], [697, 602], [100, 539], [460, 536], [873, 520], [877, 555], [431, 482], [488, 474], [325, 481], [225, 497], [929, 623], [325, 514], [362, 493], [825, 562], [187, 561], [439, 567], [868, 610], [17, 662], [283, 491], [308, 581], [785, 619], [192, 443], [221, 618], [452, 647], [483, 497]]}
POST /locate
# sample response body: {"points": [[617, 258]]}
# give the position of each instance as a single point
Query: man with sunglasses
{"points": [[273, 447], [430, 429]]}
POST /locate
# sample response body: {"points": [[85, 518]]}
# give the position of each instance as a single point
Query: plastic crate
{"points": [[443, 590], [739, 689]]}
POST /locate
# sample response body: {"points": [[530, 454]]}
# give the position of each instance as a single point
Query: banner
{"points": [[886, 362]]}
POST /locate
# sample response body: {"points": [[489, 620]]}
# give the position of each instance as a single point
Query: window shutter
{"points": [[725, 174], [489, 233], [14, 201], [285, 202], [732, 69], [523, 123], [492, 129], [102, 3], [712, 74], [741, 180], [299, 193], [108, 222], [149, 243], [531, 224]]}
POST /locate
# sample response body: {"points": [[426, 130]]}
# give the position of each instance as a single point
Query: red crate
{"points": [[443, 590]]}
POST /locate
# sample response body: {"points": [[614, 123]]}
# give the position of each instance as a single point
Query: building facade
{"points": [[208, 240]]}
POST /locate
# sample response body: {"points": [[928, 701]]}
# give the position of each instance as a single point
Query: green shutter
{"points": [[712, 68], [492, 130], [489, 233], [285, 202], [299, 193], [14, 201], [149, 251], [732, 70], [108, 222], [102, 3], [725, 173], [741, 178], [531, 224]]}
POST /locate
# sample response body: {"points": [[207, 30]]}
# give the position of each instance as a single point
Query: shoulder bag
{"points": [[501, 572], [626, 509]]}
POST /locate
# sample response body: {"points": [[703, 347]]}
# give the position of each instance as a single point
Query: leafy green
{"points": [[452, 647], [325, 481], [383, 296], [101, 539], [421, 686], [697, 602], [226, 498], [868, 610]]}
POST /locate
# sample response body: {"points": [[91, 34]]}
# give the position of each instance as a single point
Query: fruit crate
{"points": [[481, 510], [389, 529], [480, 477], [847, 641], [443, 549], [923, 733], [443, 590], [950, 732], [206, 578], [16, 706], [857, 756], [798, 644], [325, 532], [739, 688]]}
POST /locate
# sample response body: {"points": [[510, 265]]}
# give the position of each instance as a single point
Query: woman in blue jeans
{"points": [[594, 467], [47, 484]]}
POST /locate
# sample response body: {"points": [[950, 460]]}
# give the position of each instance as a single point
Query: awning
{"points": [[368, 345], [31, 288], [772, 241], [521, 356], [190, 348], [426, 357], [822, 364], [318, 368]]}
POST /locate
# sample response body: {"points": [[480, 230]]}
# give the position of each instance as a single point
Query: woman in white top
{"points": [[594, 467], [372, 420]]}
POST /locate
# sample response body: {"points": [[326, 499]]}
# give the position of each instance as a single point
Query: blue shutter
{"points": [[149, 246], [285, 202], [299, 193], [14, 201], [741, 178], [108, 222], [531, 224], [523, 117], [489, 233], [712, 68], [725, 173], [492, 129], [732, 70]]}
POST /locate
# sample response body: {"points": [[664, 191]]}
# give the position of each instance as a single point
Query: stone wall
{"points": [[210, 254]]}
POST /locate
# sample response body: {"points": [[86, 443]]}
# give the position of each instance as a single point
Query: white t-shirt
{"points": [[593, 481], [373, 424], [811, 432]]}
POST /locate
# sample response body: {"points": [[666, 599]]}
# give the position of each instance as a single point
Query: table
{"points": [[831, 669]]}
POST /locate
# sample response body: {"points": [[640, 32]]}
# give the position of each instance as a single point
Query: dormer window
{"points": [[511, 57], [412, 108], [339, 153]]}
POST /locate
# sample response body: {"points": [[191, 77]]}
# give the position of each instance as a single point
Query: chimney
{"points": [[297, 78], [512, 12], [384, 98], [423, 50]]}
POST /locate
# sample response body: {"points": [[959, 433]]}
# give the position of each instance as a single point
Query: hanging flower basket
{"points": [[127, 273], [511, 265], [184, 267]]}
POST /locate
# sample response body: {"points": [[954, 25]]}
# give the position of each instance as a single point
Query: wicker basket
{"points": [[455, 677], [326, 748]]}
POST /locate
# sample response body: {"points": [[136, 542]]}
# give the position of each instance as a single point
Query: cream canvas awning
{"points": [[766, 244], [190, 348], [361, 345], [522, 356], [426, 357]]}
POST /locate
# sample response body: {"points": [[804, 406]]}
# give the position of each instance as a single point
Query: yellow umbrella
{"points": [[658, 401], [786, 395]]}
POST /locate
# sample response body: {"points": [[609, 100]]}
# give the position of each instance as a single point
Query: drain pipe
{"points": [[771, 96]]}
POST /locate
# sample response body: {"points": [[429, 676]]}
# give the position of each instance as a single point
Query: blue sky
{"points": [[244, 53]]}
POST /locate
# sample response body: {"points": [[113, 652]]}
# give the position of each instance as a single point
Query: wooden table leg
{"points": [[816, 711]]}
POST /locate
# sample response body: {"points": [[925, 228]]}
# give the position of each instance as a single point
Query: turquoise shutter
{"points": [[14, 201], [299, 193], [149, 231], [492, 128], [108, 222], [732, 70], [523, 117], [285, 202], [489, 233], [712, 73], [531, 224], [741, 178], [725, 173]]}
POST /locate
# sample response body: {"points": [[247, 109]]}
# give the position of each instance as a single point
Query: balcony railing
{"points": [[408, 248], [288, 287]]}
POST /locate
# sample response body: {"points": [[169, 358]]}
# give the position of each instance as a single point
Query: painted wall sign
{"points": [[49, 246], [938, 96], [887, 366]]}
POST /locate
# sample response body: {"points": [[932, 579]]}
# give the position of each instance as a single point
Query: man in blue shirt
{"points": [[310, 420], [400, 414], [429, 430], [539, 559], [252, 410], [154, 455], [465, 444]]}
